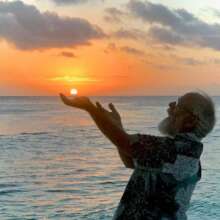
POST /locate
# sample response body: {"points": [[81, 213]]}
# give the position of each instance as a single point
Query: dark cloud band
{"points": [[175, 26], [27, 28], [73, 2], [63, 2]]}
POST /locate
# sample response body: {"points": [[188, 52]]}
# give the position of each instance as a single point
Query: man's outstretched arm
{"points": [[114, 131], [108, 122]]}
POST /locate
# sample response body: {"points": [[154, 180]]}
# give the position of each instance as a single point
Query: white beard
{"points": [[166, 127]]}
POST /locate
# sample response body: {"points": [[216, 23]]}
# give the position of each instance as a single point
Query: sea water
{"points": [[55, 163]]}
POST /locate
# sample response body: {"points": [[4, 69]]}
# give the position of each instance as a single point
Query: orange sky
{"points": [[107, 66]]}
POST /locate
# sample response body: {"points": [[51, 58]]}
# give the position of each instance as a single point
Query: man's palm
{"points": [[84, 103], [81, 102]]}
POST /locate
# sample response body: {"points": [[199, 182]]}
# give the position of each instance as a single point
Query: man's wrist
{"points": [[90, 108]]}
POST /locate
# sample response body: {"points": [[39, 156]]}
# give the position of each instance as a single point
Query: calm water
{"points": [[55, 164]]}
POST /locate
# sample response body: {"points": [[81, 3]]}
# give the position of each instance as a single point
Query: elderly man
{"points": [[166, 168]]}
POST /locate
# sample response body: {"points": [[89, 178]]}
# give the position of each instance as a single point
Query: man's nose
{"points": [[172, 104]]}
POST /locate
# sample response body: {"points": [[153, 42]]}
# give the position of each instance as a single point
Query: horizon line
{"points": [[98, 96]]}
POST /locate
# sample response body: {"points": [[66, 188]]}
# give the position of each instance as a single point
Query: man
{"points": [[166, 168]]}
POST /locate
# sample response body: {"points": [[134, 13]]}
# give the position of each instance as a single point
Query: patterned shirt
{"points": [[161, 185]]}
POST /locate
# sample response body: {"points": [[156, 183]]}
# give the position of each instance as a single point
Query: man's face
{"points": [[179, 117]]}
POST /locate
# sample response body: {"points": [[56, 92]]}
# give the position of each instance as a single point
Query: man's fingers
{"points": [[66, 100], [112, 107], [99, 106]]}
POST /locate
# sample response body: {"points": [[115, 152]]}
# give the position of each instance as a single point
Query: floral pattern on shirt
{"points": [[151, 193]]}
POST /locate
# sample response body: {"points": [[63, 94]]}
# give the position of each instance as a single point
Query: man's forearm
{"points": [[113, 132]]}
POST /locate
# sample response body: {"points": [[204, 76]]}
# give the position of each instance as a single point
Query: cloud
{"points": [[126, 49], [189, 61], [75, 79], [165, 35], [215, 12], [63, 2], [27, 28], [113, 15], [129, 34], [132, 50], [112, 46], [175, 26], [67, 54], [74, 2], [216, 61], [192, 62]]}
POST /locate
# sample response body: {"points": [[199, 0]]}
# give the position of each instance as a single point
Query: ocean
{"points": [[55, 163]]}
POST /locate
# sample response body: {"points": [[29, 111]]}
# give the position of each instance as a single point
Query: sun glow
{"points": [[71, 79], [73, 91]]}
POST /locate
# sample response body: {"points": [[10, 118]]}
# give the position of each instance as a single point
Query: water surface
{"points": [[55, 164]]}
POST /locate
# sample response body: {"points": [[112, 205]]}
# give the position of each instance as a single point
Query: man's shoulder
{"points": [[139, 137], [183, 143], [189, 145]]}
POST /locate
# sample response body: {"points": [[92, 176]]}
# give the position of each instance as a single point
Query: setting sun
{"points": [[73, 91]]}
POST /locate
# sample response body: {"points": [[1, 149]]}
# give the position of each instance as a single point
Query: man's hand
{"points": [[109, 123], [84, 103], [81, 102], [113, 115]]}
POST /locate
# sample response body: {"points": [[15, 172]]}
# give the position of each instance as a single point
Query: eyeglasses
{"points": [[180, 109]]}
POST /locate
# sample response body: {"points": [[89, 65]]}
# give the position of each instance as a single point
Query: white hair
{"points": [[203, 107]]}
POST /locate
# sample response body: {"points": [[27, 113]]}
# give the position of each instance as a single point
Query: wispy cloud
{"points": [[175, 26], [62, 2], [67, 54], [216, 12], [74, 79], [164, 35], [189, 61], [113, 15], [27, 28], [132, 50], [73, 2], [126, 49], [132, 33]]}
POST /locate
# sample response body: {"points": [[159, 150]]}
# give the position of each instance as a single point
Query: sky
{"points": [[109, 47]]}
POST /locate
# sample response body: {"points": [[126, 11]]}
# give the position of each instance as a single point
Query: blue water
{"points": [[55, 164]]}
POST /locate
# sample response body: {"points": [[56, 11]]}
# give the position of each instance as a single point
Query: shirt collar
{"points": [[190, 136]]}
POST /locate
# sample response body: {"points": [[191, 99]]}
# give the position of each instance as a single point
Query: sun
{"points": [[73, 91]]}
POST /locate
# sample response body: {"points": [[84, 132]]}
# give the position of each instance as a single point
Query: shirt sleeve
{"points": [[153, 151]]}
